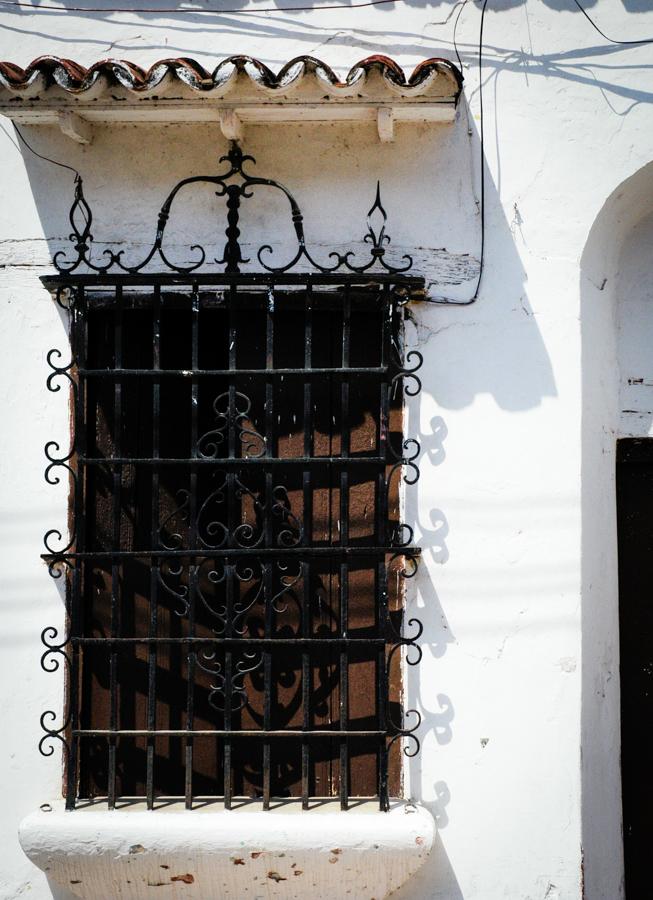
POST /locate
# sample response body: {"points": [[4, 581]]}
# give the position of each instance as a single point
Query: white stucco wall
{"points": [[521, 398]]}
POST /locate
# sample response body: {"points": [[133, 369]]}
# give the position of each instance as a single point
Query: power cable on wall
{"points": [[603, 35], [444, 301], [47, 159], [455, 30], [449, 301], [169, 10]]}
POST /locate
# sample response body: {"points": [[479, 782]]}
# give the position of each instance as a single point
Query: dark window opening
{"points": [[236, 581]]}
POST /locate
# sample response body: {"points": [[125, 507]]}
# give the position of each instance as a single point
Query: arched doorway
{"points": [[617, 364]]}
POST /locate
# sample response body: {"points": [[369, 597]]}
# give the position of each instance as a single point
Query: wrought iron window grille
{"points": [[222, 519]]}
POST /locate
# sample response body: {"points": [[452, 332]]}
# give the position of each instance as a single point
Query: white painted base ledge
{"points": [[286, 852]]}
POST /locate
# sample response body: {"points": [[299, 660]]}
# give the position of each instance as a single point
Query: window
{"points": [[237, 561]]}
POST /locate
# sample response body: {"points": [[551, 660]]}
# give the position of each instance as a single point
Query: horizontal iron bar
{"points": [[237, 461], [260, 733], [240, 279], [205, 373], [127, 799], [248, 298], [278, 552], [236, 642]]}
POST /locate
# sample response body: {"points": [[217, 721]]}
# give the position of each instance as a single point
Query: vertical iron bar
{"points": [[155, 563], [382, 515], [75, 625], [308, 538], [268, 567], [115, 565], [231, 525], [344, 540], [384, 424], [382, 676], [228, 675], [192, 537], [267, 667]]}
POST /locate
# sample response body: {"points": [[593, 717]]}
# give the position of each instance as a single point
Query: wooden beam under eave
{"points": [[233, 118], [385, 124], [231, 125], [73, 126]]}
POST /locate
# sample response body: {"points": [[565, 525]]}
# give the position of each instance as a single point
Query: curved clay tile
{"points": [[75, 78]]}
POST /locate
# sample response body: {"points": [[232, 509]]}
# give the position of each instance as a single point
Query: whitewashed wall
{"points": [[520, 407]]}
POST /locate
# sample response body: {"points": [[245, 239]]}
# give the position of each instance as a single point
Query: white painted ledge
{"points": [[286, 852]]}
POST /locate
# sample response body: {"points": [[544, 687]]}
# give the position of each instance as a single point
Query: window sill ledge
{"points": [[208, 854]]}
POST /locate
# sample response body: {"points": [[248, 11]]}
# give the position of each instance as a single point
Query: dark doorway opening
{"points": [[635, 544]]}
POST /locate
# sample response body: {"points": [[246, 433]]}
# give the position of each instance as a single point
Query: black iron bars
{"points": [[235, 628]]}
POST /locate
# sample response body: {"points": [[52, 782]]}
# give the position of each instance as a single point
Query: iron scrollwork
{"points": [[57, 544], [404, 378], [58, 461], [229, 692], [232, 410], [211, 522], [235, 184], [404, 640]]}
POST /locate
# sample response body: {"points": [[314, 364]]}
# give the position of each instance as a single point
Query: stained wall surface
{"points": [[517, 596]]}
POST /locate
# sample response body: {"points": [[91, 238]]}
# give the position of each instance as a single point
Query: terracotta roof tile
{"points": [[48, 71]]}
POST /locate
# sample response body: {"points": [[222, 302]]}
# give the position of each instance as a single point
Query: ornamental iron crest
{"points": [[235, 185]]}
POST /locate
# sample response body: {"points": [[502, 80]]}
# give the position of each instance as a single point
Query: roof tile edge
{"points": [[52, 71]]}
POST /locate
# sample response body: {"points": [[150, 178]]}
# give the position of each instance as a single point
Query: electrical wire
{"points": [[448, 301], [603, 35], [455, 29], [442, 301], [47, 159], [168, 10], [437, 300]]}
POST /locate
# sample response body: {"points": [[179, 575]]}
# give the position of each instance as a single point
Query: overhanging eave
{"points": [[240, 91]]}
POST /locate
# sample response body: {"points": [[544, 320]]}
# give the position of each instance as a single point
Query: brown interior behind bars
{"points": [[145, 519]]}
